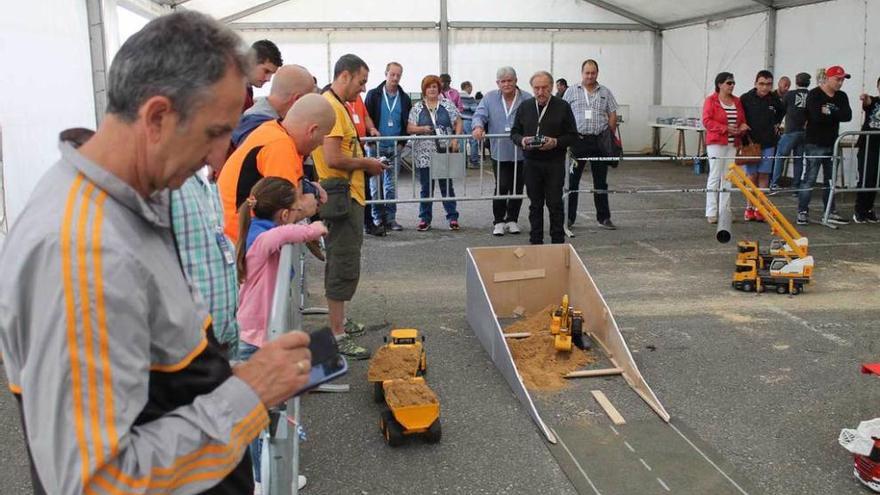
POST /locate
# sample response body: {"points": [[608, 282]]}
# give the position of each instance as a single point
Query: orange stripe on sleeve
{"points": [[101, 317], [96, 432], [70, 319], [15, 389]]}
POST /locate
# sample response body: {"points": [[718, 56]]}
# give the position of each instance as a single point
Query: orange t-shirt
{"points": [[358, 112], [277, 156]]}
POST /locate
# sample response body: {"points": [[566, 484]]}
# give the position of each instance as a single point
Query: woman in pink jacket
{"points": [[725, 122]]}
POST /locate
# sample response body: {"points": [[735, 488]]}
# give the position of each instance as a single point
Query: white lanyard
{"points": [[586, 95], [541, 115], [431, 114], [392, 106], [508, 111]]}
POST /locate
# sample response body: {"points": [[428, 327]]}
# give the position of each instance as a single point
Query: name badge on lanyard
{"points": [[588, 113], [509, 110], [390, 107], [356, 118], [223, 242]]}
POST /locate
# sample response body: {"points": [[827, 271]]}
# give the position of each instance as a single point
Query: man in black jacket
{"points": [[764, 113], [827, 107], [544, 127], [388, 106]]}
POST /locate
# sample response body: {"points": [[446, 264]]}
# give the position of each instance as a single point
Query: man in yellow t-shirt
{"points": [[341, 157]]}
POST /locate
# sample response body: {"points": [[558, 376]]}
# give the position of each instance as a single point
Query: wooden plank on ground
{"points": [[589, 373], [609, 408], [517, 335], [520, 275]]}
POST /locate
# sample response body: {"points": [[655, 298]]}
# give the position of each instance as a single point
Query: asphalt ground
{"points": [[763, 381]]}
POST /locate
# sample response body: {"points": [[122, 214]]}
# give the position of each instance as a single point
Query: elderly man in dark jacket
{"points": [[544, 127]]}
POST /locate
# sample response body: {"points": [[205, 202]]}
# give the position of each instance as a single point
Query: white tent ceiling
{"points": [[651, 14]]}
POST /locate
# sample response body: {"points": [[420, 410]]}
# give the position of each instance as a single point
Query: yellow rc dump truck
{"points": [[397, 373], [567, 327], [786, 266]]}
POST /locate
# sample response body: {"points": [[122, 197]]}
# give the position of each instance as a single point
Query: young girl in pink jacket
{"points": [[267, 221]]}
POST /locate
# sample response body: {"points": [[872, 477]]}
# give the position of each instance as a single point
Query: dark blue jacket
{"points": [[246, 125], [374, 102]]}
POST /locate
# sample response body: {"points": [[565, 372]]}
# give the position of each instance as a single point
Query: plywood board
{"points": [[609, 408], [520, 275], [565, 273]]}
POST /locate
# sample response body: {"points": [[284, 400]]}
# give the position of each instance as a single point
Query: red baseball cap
{"points": [[836, 71]]}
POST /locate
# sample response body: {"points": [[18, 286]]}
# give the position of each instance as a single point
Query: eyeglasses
{"points": [[730, 82]]}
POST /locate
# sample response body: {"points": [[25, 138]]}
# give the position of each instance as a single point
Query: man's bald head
{"points": [[289, 84], [308, 121]]}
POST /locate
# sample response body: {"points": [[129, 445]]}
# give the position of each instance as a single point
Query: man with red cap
{"points": [[827, 107]]}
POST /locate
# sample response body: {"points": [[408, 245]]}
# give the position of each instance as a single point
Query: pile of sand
{"points": [[389, 363], [539, 364], [402, 393]]}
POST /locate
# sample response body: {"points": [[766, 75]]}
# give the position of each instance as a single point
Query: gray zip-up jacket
{"points": [[108, 348], [491, 117]]}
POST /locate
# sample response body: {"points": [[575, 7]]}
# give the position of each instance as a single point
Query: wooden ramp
{"points": [[502, 281]]}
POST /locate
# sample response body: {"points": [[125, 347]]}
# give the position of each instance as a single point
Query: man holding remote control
{"points": [[544, 127]]}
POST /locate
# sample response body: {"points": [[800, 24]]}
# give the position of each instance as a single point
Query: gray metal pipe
{"points": [[725, 222]]}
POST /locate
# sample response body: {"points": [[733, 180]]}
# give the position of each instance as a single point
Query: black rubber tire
{"points": [[393, 432], [781, 289], [748, 286], [577, 329], [434, 432], [423, 364], [384, 419], [796, 290], [378, 393]]}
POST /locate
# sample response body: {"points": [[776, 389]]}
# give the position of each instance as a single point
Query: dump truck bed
{"points": [[414, 405], [392, 363]]}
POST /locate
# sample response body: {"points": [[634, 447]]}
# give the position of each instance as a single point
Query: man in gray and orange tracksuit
{"points": [[107, 348]]}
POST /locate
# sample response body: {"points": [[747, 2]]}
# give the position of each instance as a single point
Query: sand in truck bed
{"points": [[539, 364], [403, 393], [391, 363]]}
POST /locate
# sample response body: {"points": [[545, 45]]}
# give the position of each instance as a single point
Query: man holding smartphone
{"points": [[544, 127]]}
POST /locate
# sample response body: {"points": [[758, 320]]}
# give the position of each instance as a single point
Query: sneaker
{"points": [[803, 218], [712, 220], [837, 219], [859, 217], [423, 226], [348, 348], [513, 228], [498, 229], [393, 225], [376, 230], [301, 482], [258, 488], [607, 224], [749, 215], [453, 225], [569, 224], [757, 216], [352, 328], [871, 217]]}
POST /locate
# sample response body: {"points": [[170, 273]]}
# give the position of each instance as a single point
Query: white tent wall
{"points": [[529, 11], [693, 55], [338, 11], [47, 83], [833, 33]]}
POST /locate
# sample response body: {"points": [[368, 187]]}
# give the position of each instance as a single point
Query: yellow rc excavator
{"points": [[567, 325], [786, 265]]}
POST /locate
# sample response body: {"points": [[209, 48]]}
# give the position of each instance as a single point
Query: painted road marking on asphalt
{"points": [[614, 430], [797, 319], [576, 463], [664, 485], [645, 464], [631, 449], [657, 251], [717, 468]]}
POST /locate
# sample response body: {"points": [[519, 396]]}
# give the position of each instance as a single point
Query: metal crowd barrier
{"points": [[289, 303], [838, 172]]}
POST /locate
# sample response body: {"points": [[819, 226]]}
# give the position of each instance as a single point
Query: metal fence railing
{"points": [[842, 174]]}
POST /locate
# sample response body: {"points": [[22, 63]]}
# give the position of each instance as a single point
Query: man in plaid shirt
{"points": [[206, 254], [595, 111]]}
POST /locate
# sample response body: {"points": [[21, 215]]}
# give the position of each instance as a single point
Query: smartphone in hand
{"points": [[327, 363]]}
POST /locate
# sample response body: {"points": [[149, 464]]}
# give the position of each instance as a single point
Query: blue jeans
{"points": [[790, 141], [473, 155], [812, 173], [426, 210], [765, 166], [245, 351], [386, 213]]}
